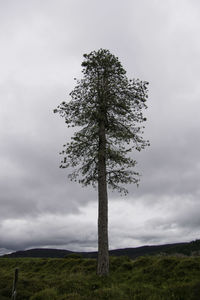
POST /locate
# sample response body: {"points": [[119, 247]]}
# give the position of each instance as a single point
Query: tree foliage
{"points": [[104, 94]]}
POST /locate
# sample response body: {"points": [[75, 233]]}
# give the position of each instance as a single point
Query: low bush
{"points": [[47, 294]]}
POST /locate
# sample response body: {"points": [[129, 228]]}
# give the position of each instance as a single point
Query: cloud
{"points": [[131, 224], [41, 52], [50, 230]]}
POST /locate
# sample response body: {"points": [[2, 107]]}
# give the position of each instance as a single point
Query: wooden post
{"points": [[14, 289]]}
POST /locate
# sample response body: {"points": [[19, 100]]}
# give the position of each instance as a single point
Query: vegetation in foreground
{"points": [[74, 278]]}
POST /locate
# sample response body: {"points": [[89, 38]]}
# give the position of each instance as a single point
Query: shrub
{"points": [[47, 294], [74, 255]]}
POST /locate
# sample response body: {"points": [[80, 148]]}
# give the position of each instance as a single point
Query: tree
{"points": [[107, 107]]}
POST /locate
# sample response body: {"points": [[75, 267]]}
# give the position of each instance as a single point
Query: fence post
{"points": [[14, 289]]}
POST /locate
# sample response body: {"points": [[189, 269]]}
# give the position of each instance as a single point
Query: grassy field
{"points": [[150, 277]]}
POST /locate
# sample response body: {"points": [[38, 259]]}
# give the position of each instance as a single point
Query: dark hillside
{"points": [[178, 248], [41, 253]]}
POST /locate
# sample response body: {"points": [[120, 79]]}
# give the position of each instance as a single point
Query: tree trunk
{"points": [[103, 255]]}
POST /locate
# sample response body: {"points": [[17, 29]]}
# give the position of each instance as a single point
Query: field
{"points": [[74, 278]]}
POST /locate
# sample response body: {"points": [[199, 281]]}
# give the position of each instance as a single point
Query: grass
{"points": [[74, 278]]}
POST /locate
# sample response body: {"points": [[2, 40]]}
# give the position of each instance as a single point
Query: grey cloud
{"points": [[41, 53], [47, 230]]}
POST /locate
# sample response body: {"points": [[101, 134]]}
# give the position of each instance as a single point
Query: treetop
{"points": [[105, 96]]}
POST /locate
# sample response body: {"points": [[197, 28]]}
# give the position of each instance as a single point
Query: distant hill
{"points": [[41, 252], [190, 248]]}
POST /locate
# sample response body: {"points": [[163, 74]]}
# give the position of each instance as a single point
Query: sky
{"points": [[42, 47]]}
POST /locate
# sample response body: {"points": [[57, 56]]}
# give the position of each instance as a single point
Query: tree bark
{"points": [[103, 255]]}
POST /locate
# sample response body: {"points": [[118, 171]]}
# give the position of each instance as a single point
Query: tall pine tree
{"points": [[107, 107]]}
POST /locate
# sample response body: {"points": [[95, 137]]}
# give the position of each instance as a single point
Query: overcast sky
{"points": [[42, 47]]}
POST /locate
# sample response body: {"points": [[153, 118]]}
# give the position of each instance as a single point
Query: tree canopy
{"points": [[104, 94]]}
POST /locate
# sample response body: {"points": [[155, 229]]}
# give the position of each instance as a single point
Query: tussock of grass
{"points": [[74, 278]]}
